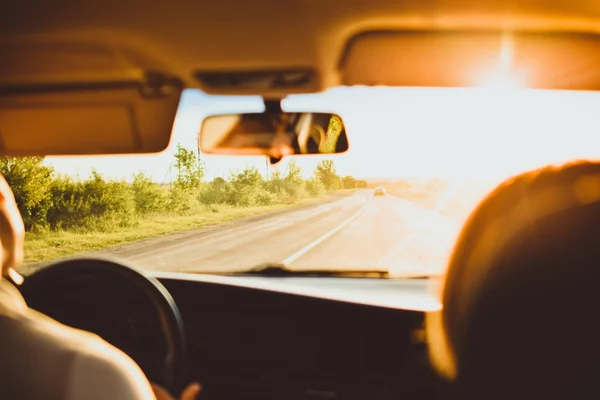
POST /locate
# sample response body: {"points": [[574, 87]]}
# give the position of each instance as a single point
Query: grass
{"points": [[54, 244]]}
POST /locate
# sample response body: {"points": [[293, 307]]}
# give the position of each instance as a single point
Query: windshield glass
{"points": [[434, 154]]}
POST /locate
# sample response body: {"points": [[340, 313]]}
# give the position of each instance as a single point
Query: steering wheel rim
{"points": [[167, 312]]}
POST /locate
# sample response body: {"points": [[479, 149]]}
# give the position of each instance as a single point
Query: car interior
{"points": [[512, 316]]}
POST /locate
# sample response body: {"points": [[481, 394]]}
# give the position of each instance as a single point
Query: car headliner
{"points": [[95, 41], [184, 36]]}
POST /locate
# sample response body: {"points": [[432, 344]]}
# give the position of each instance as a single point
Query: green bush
{"points": [[349, 182], [51, 201], [246, 178], [246, 188], [182, 200], [286, 191], [276, 184], [68, 203], [112, 199], [296, 191], [215, 192], [315, 187], [94, 204], [245, 196], [265, 198], [30, 181], [149, 197]]}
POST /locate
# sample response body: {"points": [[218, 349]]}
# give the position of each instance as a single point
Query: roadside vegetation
{"points": [[64, 215]]}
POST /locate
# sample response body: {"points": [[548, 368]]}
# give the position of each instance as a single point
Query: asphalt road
{"points": [[354, 232]]}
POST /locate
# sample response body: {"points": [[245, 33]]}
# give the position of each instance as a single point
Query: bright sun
{"points": [[502, 74]]}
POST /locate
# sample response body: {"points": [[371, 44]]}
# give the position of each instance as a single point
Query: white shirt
{"points": [[42, 358]]}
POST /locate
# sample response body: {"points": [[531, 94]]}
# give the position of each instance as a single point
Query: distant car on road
{"points": [[379, 191]]}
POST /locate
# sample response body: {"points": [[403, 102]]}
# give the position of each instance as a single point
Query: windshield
{"points": [[435, 153]]}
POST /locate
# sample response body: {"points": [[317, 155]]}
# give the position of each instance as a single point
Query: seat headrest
{"points": [[522, 286]]}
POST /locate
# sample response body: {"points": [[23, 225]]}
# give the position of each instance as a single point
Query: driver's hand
{"points": [[189, 393], [12, 230]]}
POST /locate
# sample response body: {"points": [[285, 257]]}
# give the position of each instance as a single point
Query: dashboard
{"points": [[246, 342]]}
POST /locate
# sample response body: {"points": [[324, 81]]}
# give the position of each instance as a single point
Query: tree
{"points": [[276, 184], [216, 192], [218, 181], [247, 177], [276, 175], [190, 169], [248, 189], [349, 182], [293, 173], [30, 180], [325, 172], [314, 187], [293, 186]]}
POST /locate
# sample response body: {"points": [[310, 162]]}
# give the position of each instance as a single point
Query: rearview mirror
{"points": [[273, 134]]}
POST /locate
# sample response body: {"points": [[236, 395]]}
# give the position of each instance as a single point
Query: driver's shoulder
{"points": [[83, 344], [95, 367], [101, 371], [69, 362], [71, 337]]}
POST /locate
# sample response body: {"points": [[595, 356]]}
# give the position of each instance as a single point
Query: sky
{"points": [[453, 134]]}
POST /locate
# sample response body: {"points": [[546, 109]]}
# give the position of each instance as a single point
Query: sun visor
{"points": [[569, 61], [85, 99]]}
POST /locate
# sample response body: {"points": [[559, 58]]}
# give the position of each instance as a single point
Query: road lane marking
{"points": [[226, 247], [282, 220], [326, 236], [220, 234]]}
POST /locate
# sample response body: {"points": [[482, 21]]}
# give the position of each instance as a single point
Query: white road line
{"points": [[321, 239], [184, 245]]}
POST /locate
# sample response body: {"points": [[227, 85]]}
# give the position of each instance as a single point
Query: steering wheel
{"points": [[58, 290]]}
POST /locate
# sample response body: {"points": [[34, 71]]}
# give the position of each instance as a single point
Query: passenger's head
{"points": [[521, 297]]}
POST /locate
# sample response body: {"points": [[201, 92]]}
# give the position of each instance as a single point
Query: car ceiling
{"points": [[183, 38], [89, 59]]}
